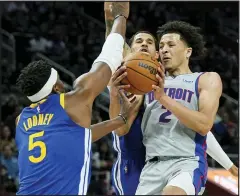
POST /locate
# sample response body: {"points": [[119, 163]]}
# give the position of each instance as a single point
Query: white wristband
{"points": [[112, 51], [216, 152]]}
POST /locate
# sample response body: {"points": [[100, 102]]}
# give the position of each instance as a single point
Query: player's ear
{"points": [[56, 89], [188, 53], [157, 55]]}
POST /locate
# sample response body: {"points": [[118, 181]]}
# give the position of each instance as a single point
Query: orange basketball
{"points": [[141, 72]]}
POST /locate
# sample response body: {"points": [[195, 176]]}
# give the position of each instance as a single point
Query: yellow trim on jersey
{"points": [[33, 105], [17, 119], [62, 100]]}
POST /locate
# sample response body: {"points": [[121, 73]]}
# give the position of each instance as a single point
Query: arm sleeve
{"points": [[216, 152]]}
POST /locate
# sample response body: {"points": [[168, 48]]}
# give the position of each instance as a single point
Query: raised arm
{"points": [[88, 86], [109, 24], [114, 107]]}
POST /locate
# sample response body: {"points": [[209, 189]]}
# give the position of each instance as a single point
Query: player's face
{"points": [[173, 51], [144, 42]]}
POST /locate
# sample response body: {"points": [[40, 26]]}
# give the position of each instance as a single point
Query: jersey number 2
{"points": [[40, 144], [163, 117]]}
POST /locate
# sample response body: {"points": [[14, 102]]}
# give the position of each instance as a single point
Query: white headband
{"points": [[47, 88]]}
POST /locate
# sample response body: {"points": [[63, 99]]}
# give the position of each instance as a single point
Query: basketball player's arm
{"points": [[109, 23], [101, 129], [96, 80], [88, 86], [217, 153], [114, 110], [210, 90], [110, 58], [115, 103], [127, 109]]}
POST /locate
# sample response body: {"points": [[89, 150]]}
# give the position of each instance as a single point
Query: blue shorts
{"points": [[125, 175]]}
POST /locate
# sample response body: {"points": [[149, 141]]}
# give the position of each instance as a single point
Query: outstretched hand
{"points": [[119, 8], [108, 10]]}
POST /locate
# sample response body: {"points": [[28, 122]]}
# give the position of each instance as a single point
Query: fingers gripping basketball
{"points": [[141, 72]]}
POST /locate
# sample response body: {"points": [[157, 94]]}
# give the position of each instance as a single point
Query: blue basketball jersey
{"points": [[54, 152], [130, 160]]}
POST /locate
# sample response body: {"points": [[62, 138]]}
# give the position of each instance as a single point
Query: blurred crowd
{"points": [[71, 34]]}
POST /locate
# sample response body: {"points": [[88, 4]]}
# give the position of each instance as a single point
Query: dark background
{"points": [[71, 34]]}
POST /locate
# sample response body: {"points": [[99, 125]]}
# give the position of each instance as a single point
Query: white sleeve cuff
{"points": [[112, 51]]}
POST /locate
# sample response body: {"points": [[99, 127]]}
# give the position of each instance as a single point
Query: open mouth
{"points": [[165, 59], [144, 50]]}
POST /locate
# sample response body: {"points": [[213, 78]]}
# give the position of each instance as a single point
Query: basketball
{"points": [[141, 72]]}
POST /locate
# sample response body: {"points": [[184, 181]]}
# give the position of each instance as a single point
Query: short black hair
{"points": [[33, 77], [190, 34], [147, 32]]}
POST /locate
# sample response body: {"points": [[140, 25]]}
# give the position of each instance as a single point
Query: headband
{"points": [[47, 88]]}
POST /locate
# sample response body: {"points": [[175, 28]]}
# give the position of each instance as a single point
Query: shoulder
{"points": [[17, 119], [210, 80]]}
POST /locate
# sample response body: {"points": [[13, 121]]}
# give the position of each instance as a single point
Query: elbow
{"points": [[203, 129], [94, 139]]}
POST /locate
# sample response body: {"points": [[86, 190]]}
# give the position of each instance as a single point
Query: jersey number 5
{"points": [[163, 117], [40, 144]]}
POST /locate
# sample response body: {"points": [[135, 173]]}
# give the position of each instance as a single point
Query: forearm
{"points": [[194, 120], [114, 110], [101, 129], [119, 26], [109, 24], [114, 107], [217, 153]]}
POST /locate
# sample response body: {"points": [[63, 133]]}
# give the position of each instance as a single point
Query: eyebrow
{"points": [[148, 39], [171, 41]]}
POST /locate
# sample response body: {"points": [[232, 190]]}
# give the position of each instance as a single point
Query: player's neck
{"points": [[183, 69]]}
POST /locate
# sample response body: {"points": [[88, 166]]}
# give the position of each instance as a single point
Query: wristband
{"points": [[120, 15], [124, 119]]}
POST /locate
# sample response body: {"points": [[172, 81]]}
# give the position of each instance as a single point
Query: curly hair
{"points": [[147, 32], [190, 34], [33, 77]]}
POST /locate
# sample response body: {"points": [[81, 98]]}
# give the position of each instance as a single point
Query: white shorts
{"points": [[185, 173], [184, 181]]}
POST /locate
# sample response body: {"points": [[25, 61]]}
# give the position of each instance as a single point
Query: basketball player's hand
{"points": [[234, 171], [129, 104], [159, 89], [108, 11], [115, 82], [119, 8]]}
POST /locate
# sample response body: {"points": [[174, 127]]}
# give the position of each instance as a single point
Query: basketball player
{"points": [[179, 113], [128, 139], [131, 152], [54, 135]]}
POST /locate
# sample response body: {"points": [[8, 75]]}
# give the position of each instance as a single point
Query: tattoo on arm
{"points": [[109, 24]]}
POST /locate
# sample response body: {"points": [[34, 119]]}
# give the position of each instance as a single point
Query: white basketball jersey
{"points": [[163, 133]]}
